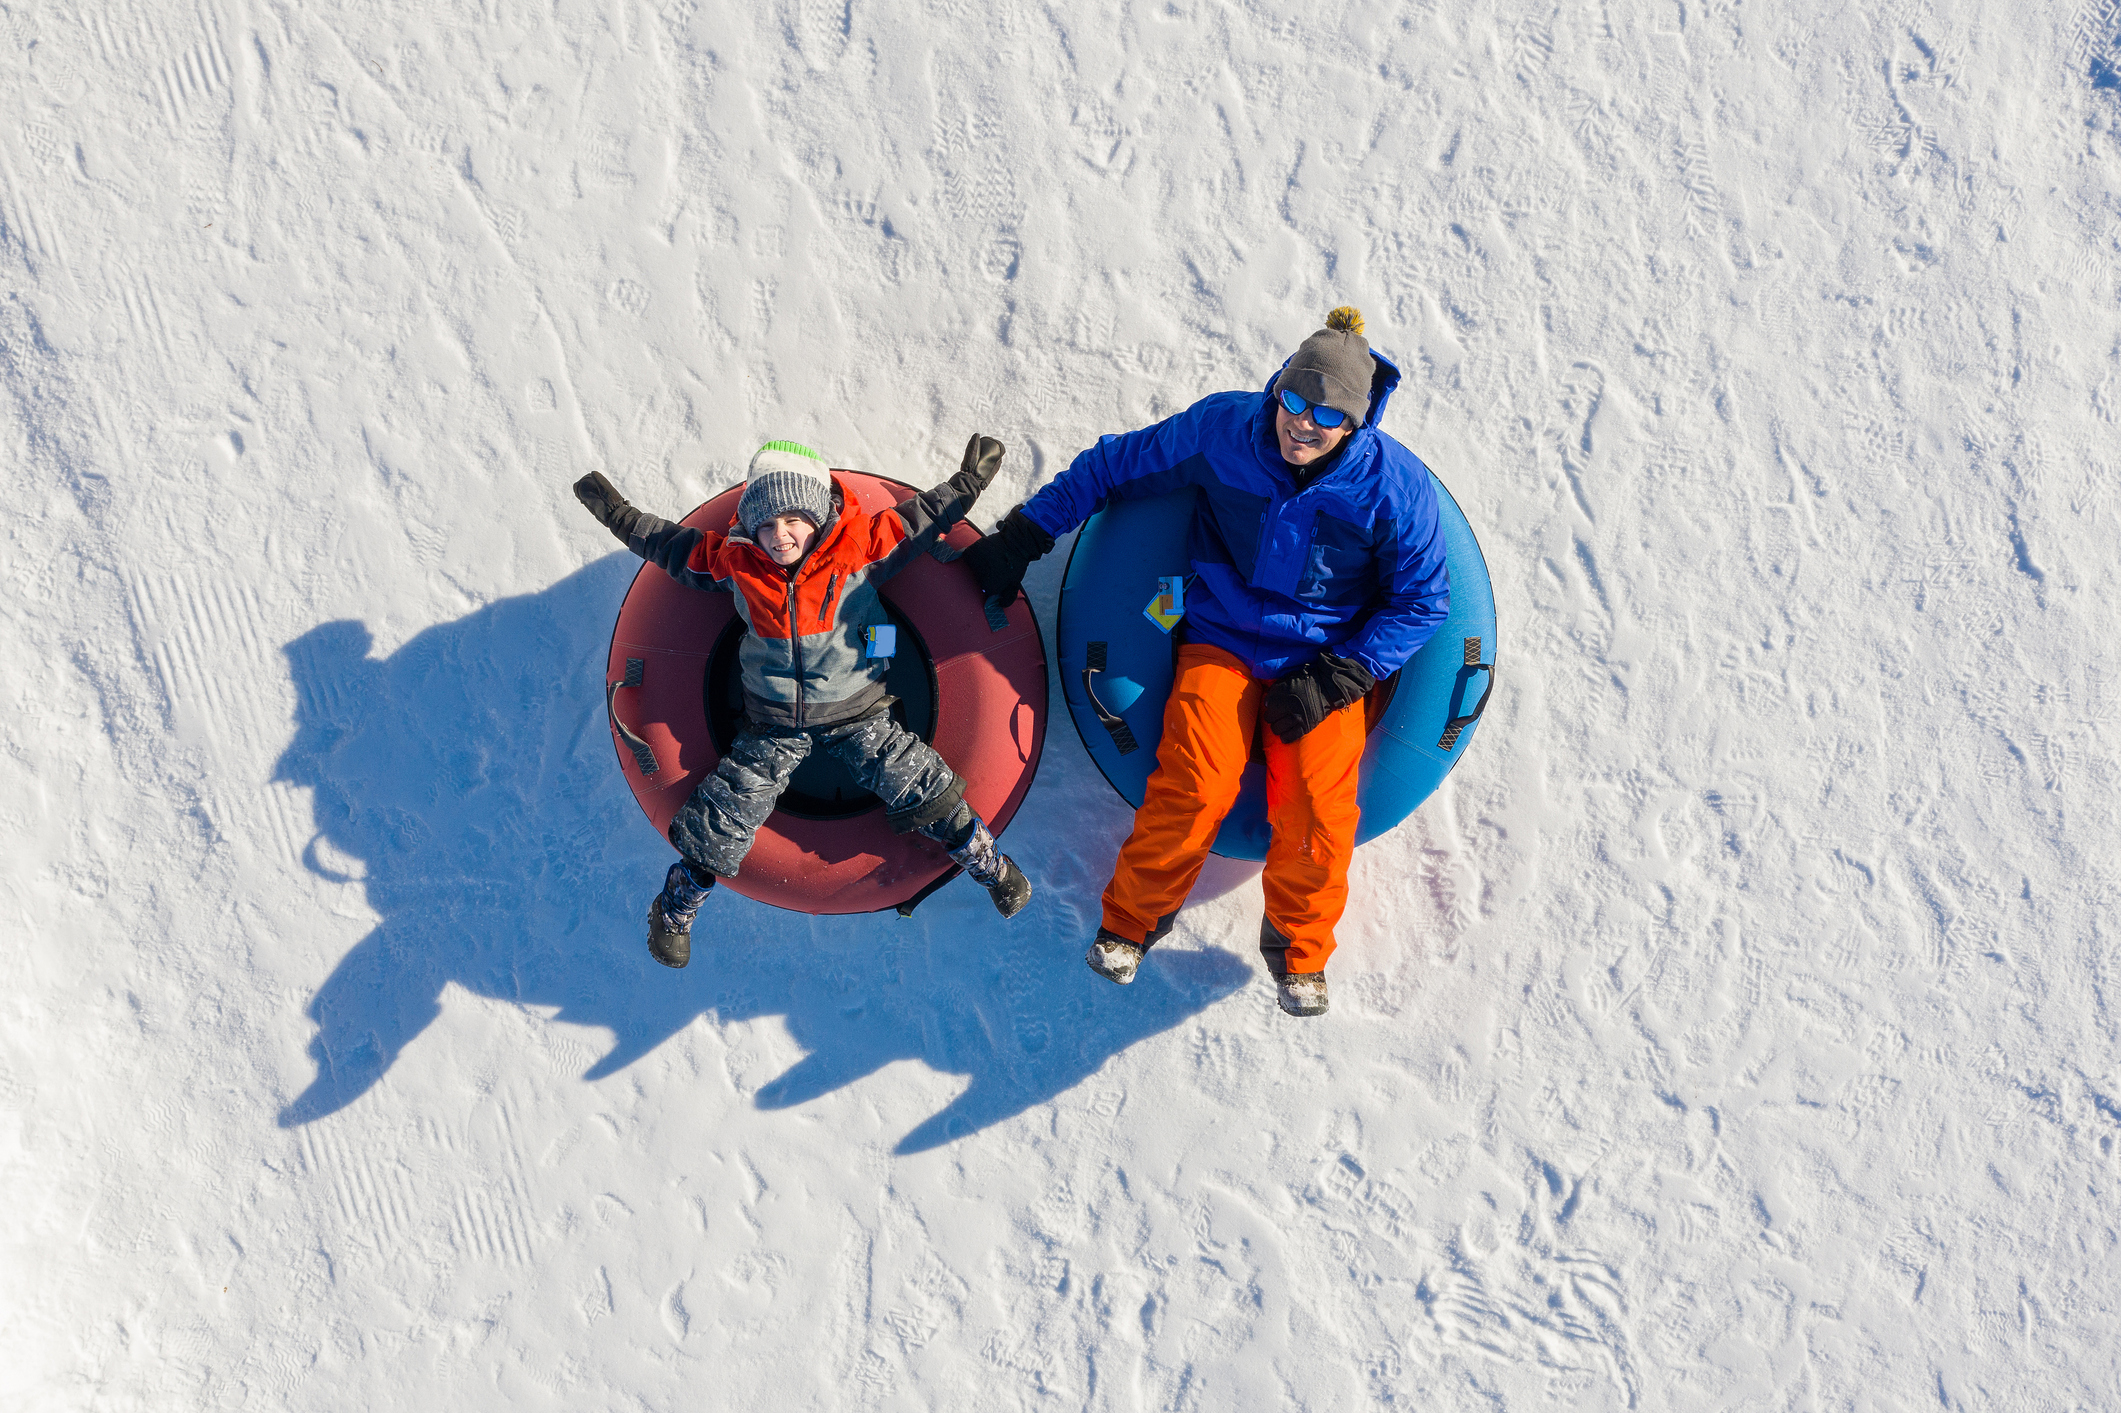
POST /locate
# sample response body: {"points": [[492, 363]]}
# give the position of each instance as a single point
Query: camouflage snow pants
{"points": [[920, 791]]}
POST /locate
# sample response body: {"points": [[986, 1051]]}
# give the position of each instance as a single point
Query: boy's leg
{"points": [[916, 784], [714, 829], [1207, 739], [1311, 804], [922, 794]]}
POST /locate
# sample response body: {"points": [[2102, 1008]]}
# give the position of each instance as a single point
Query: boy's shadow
{"points": [[471, 775]]}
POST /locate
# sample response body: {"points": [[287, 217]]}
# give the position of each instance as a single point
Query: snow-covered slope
{"points": [[1735, 1030]]}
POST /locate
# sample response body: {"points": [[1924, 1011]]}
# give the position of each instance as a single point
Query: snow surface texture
{"points": [[1735, 1030]]}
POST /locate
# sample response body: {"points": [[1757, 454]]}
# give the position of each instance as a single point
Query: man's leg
{"points": [[1312, 808], [1207, 738]]}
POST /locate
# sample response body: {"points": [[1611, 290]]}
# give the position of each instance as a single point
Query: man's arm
{"points": [[1417, 592], [1152, 461], [1416, 598], [1132, 465]]}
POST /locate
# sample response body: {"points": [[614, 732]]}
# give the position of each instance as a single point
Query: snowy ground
{"points": [[1736, 1029]]}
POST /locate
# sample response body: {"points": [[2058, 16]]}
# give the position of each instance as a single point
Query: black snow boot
{"points": [[670, 915], [975, 851], [1010, 889]]}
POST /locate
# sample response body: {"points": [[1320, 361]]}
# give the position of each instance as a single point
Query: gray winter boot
{"points": [[670, 915], [1114, 958], [1303, 993]]}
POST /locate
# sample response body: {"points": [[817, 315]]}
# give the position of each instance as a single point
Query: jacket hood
{"points": [[1384, 381]]}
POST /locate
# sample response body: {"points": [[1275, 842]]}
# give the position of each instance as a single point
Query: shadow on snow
{"points": [[471, 775]]}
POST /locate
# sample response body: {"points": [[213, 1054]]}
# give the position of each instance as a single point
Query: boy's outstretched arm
{"points": [[933, 511], [667, 545]]}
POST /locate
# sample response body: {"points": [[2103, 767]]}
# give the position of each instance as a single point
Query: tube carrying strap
{"points": [[1457, 724], [1121, 733], [643, 753]]}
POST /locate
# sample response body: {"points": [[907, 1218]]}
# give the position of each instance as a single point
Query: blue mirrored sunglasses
{"points": [[1323, 415]]}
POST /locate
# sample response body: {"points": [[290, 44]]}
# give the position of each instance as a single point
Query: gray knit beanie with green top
{"points": [[786, 478], [1333, 367]]}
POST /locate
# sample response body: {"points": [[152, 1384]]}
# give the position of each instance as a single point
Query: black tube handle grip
{"points": [[643, 753], [1457, 724], [1121, 733]]}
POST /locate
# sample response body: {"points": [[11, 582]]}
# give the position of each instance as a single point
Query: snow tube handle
{"points": [[1457, 724], [643, 753], [1121, 733]]}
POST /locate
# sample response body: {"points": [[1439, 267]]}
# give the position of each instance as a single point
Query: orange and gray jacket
{"points": [[805, 662]]}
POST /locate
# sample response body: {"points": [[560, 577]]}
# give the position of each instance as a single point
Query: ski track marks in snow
{"points": [[25, 222], [204, 639], [1731, 1031], [197, 79]]}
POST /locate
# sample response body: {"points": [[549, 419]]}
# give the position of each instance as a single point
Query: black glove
{"points": [[998, 560], [608, 506], [983, 457], [1298, 702]]}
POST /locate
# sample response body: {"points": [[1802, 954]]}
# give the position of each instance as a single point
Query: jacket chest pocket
{"points": [[1338, 566]]}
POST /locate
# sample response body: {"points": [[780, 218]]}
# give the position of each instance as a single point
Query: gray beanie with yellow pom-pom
{"points": [[1333, 367]]}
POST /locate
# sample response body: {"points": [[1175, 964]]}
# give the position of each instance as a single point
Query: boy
{"points": [[804, 561]]}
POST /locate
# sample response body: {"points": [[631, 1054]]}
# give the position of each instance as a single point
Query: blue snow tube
{"points": [[1116, 668]]}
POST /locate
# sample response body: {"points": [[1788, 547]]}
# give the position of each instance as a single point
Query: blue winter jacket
{"points": [[1353, 563]]}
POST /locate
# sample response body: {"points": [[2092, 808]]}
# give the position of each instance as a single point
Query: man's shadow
{"points": [[471, 775]]}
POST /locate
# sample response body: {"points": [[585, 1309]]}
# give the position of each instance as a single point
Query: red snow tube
{"points": [[973, 689]]}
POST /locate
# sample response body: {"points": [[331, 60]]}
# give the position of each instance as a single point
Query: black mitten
{"points": [[983, 457], [1298, 702], [602, 499], [998, 560]]}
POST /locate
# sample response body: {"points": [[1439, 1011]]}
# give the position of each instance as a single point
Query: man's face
{"points": [[785, 538], [1302, 440]]}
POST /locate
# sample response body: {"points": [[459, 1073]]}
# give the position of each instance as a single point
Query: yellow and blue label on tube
{"points": [[1169, 605]]}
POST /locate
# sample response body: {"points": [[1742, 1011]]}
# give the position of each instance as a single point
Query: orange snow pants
{"points": [[1208, 725]]}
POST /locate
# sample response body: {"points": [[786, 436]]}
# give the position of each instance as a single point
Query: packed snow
{"points": [[1735, 1030]]}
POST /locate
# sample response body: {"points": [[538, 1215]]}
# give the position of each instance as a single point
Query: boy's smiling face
{"points": [[785, 538]]}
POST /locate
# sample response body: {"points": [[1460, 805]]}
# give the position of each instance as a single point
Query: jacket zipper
{"points": [[824, 613], [795, 646]]}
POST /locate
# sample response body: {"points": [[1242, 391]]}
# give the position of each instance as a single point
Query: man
{"points": [[1318, 570]]}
